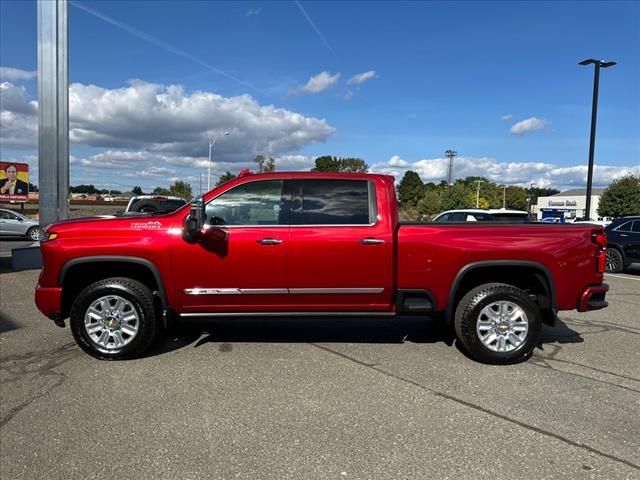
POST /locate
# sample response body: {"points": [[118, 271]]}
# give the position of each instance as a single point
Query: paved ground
{"points": [[312, 399]]}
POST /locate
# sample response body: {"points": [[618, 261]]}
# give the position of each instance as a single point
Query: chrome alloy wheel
{"points": [[111, 322], [502, 326]]}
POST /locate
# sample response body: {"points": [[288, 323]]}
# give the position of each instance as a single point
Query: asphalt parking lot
{"points": [[385, 399]]}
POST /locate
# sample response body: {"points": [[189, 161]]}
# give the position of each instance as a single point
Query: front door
{"points": [[239, 263]]}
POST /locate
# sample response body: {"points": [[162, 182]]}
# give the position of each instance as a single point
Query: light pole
{"points": [[598, 64], [212, 142], [504, 196], [478, 192]]}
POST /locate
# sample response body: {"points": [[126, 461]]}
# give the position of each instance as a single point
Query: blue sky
{"points": [[153, 81]]}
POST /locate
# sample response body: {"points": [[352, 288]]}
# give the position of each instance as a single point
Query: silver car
{"points": [[13, 224]]}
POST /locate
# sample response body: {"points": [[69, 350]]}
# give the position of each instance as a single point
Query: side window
{"points": [[253, 203], [335, 202], [4, 215], [636, 227], [443, 218], [458, 217], [625, 227], [8, 216]]}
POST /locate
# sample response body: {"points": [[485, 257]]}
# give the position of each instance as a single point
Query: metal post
{"points": [[211, 143], [592, 138], [504, 196], [53, 111], [478, 193]]}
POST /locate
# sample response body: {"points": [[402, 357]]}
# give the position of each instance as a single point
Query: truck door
{"points": [[239, 264], [340, 251]]}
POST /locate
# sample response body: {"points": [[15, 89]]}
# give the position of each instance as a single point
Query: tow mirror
{"points": [[194, 222]]}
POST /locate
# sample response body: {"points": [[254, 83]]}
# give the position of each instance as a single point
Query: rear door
{"points": [[340, 251]]}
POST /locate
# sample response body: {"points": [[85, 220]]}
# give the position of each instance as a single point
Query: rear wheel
{"points": [[498, 323], [114, 319], [615, 263]]}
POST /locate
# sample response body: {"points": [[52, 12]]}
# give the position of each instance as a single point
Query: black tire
{"points": [[615, 262], [34, 233], [147, 206], [469, 312], [140, 299]]}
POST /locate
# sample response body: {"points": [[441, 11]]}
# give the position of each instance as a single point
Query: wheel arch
{"points": [[111, 265], [506, 271]]}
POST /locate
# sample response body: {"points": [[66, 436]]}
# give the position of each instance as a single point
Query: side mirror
{"points": [[194, 222]]}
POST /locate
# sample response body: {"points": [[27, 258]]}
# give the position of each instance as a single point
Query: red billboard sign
{"points": [[14, 182]]}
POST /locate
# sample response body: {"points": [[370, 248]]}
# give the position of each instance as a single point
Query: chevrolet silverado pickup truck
{"points": [[314, 244]]}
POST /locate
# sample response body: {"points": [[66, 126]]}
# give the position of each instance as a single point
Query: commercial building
{"points": [[569, 205]]}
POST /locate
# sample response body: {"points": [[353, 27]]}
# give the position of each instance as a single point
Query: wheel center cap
{"points": [[503, 327], [112, 322]]}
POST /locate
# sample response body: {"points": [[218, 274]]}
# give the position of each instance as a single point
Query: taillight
{"points": [[600, 239]]}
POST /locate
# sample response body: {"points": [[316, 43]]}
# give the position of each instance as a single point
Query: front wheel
{"points": [[34, 233], [114, 319], [497, 323]]}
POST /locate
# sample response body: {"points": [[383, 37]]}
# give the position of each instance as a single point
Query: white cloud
{"points": [[360, 78], [316, 84], [509, 173], [254, 12], [528, 125], [16, 74], [167, 120], [508, 116]]}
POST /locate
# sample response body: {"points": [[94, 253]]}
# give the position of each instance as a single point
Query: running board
{"points": [[289, 314]]}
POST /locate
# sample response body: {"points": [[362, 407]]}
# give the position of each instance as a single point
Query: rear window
{"points": [[511, 217], [334, 202]]}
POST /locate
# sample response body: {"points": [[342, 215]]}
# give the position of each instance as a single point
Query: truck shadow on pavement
{"points": [[348, 330]]}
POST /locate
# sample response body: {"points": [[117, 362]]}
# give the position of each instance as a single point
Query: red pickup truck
{"points": [[314, 244]]}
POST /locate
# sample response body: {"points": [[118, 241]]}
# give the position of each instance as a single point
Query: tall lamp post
{"points": [[598, 64], [212, 142]]}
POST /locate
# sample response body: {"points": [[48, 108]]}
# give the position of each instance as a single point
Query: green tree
{"points": [[160, 191], [410, 189], [327, 163], [33, 188], [458, 196], [137, 190], [621, 198], [431, 203], [181, 189], [225, 178], [265, 164], [353, 165]]}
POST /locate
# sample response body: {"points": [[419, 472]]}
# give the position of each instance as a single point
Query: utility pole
{"points": [[594, 113], [212, 142], [529, 197], [200, 182], [478, 192], [450, 154]]}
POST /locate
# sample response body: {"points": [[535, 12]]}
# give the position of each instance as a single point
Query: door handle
{"points": [[270, 241], [372, 241]]}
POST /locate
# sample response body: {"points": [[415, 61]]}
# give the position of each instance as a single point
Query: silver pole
{"points": [[211, 143], [53, 111]]}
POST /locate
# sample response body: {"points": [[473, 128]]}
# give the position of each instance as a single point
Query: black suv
{"points": [[623, 243]]}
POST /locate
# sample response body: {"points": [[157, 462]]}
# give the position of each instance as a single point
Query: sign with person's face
{"points": [[14, 182]]}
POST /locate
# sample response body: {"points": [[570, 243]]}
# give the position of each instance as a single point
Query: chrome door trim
{"points": [[236, 291], [329, 291]]}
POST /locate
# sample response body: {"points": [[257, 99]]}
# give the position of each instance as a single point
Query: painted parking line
{"points": [[623, 276]]}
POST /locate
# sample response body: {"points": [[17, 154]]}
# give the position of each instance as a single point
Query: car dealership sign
{"points": [[563, 203]]}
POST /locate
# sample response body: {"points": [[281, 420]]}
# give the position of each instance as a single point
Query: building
{"points": [[569, 205]]}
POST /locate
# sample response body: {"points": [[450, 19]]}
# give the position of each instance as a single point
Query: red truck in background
{"points": [[314, 244]]}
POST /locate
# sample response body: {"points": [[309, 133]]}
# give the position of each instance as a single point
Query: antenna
{"points": [[450, 154]]}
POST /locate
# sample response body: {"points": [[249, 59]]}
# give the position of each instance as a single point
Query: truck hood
{"points": [[104, 222]]}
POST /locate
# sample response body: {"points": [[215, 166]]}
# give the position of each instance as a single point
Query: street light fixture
{"points": [[212, 142], [598, 64]]}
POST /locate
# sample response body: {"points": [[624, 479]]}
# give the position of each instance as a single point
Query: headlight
{"points": [[48, 235]]}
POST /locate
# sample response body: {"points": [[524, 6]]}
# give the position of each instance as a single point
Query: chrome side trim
{"points": [[289, 314], [236, 291], [321, 291], [279, 291]]}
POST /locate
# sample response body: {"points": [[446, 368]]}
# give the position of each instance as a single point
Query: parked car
{"points": [[314, 244], [623, 243], [484, 215], [13, 224], [154, 204]]}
